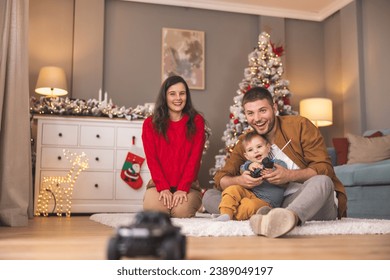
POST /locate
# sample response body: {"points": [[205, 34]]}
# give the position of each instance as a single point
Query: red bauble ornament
{"points": [[286, 100], [247, 88]]}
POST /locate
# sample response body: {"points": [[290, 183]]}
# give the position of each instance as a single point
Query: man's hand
{"points": [[277, 176], [247, 181], [179, 197], [167, 198], [281, 175]]}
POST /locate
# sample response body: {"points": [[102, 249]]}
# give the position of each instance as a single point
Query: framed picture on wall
{"points": [[183, 55]]}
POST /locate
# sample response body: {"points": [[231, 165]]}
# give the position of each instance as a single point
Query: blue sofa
{"points": [[367, 186]]}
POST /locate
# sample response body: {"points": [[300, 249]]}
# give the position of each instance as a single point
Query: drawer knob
{"points": [[97, 158], [60, 134], [59, 157], [96, 185], [97, 136], [133, 140]]}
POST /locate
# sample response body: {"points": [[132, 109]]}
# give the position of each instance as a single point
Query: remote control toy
{"points": [[151, 234]]}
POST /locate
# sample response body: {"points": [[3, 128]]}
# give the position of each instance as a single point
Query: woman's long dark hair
{"points": [[161, 111]]}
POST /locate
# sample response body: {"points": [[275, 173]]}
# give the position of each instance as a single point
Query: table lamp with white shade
{"points": [[51, 82], [317, 110]]}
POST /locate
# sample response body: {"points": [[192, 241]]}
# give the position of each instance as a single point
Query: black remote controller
{"points": [[267, 163], [256, 173]]}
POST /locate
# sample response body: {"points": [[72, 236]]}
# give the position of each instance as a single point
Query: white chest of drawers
{"points": [[106, 143]]}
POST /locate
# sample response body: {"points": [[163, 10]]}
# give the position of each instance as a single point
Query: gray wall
{"points": [[352, 74], [376, 41], [88, 48], [50, 37], [343, 57], [333, 75]]}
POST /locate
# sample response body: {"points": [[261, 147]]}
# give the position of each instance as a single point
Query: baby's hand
{"points": [[255, 165], [266, 171]]}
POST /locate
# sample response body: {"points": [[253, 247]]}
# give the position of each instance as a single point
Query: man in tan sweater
{"points": [[313, 191]]}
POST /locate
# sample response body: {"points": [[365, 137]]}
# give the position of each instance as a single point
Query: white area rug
{"points": [[204, 225]]}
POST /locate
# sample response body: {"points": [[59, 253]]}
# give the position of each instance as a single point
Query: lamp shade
{"points": [[51, 81], [318, 110]]}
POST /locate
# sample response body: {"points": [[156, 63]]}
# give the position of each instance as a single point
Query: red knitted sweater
{"points": [[176, 162]]}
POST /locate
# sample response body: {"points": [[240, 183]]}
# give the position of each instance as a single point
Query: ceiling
{"points": [[314, 10]]}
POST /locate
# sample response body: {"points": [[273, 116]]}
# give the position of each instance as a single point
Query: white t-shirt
{"points": [[279, 154], [292, 186]]}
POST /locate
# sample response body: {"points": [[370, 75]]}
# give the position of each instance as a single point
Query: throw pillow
{"points": [[375, 134], [384, 131], [365, 149], [341, 146]]}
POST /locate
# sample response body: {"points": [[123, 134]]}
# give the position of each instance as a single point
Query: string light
{"points": [[60, 188]]}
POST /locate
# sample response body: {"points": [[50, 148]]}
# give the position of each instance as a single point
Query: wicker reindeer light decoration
{"points": [[60, 188]]}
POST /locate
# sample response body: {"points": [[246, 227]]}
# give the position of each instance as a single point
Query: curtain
{"points": [[15, 144]]}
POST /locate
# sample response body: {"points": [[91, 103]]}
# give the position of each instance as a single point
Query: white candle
{"points": [[105, 97], [100, 95]]}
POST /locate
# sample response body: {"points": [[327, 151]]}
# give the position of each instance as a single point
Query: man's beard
{"points": [[271, 125]]}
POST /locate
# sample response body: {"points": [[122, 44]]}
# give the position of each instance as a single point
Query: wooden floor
{"points": [[78, 238]]}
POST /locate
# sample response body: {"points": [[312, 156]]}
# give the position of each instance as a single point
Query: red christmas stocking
{"points": [[131, 170]]}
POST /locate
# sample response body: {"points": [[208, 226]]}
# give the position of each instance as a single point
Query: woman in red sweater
{"points": [[173, 139]]}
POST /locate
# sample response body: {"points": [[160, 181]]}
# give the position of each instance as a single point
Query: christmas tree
{"points": [[265, 69]]}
